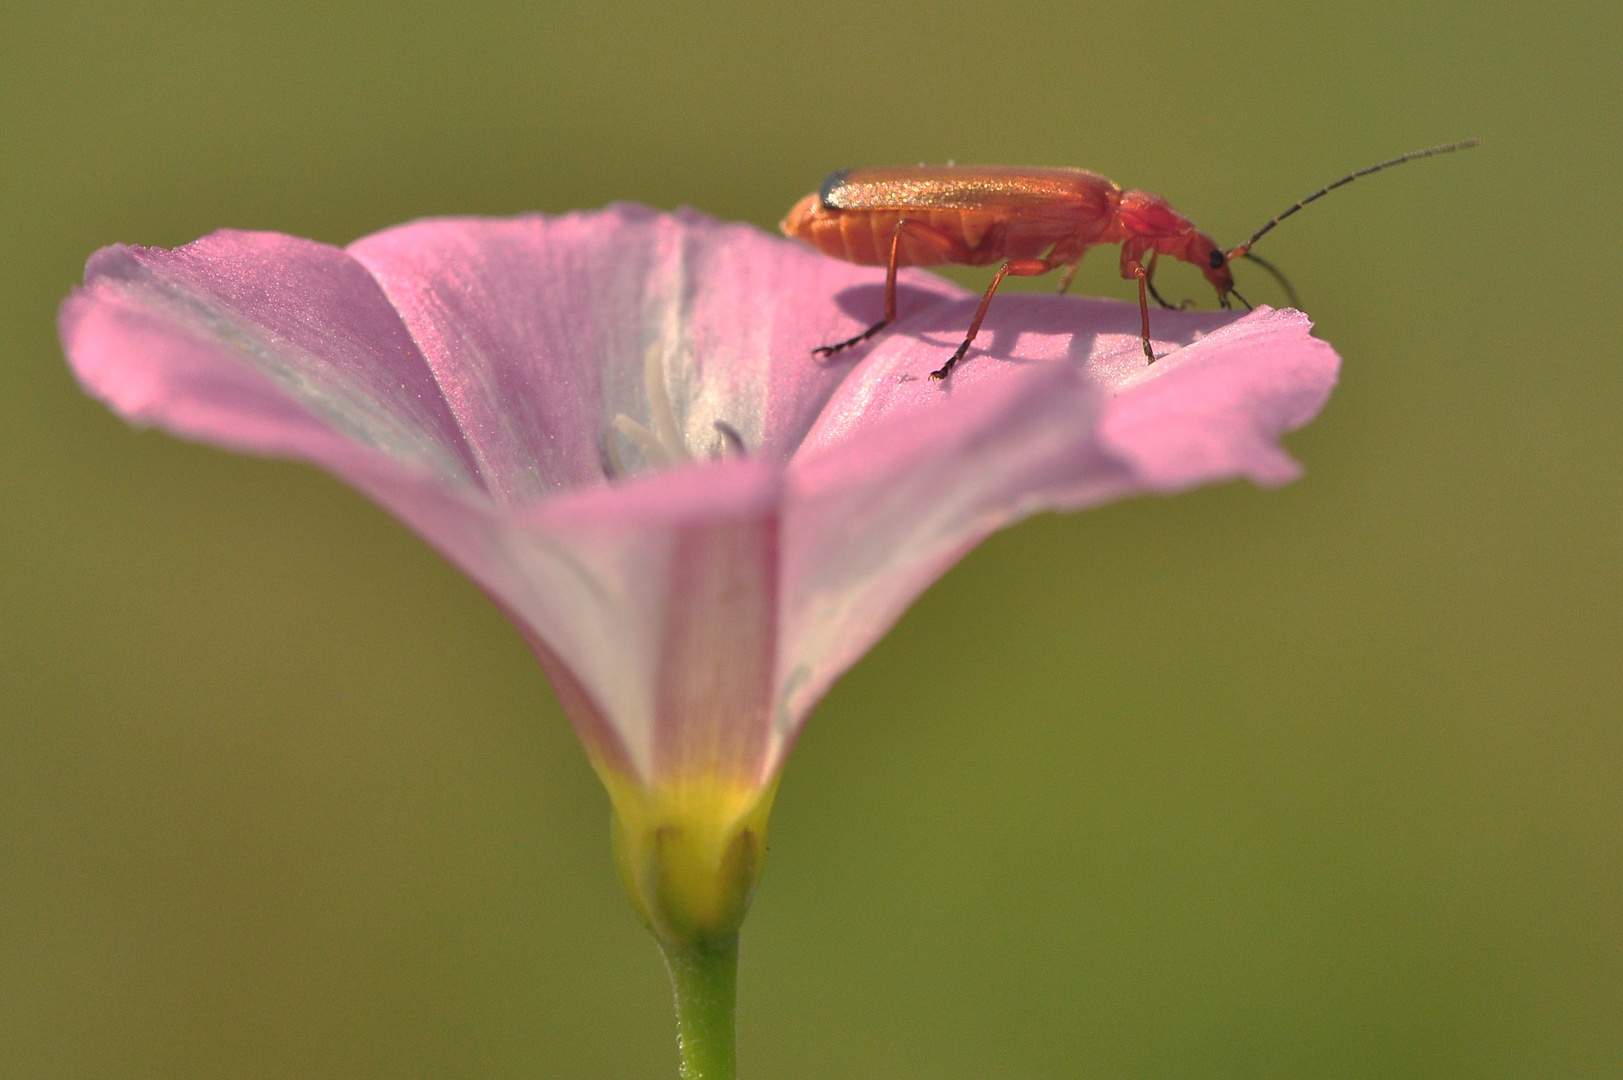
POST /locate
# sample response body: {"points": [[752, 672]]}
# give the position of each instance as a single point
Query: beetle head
{"points": [[1147, 216], [1213, 261]]}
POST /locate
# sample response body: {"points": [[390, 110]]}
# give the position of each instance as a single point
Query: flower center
{"points": [[662, 444]]}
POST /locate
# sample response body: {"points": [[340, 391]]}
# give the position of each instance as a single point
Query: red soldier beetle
{"points": [[1031, 220]]}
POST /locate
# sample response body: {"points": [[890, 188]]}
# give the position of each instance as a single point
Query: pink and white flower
{"points": [[613, 423]]}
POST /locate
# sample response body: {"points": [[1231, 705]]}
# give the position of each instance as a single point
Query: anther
{"points": [[730, 435]]}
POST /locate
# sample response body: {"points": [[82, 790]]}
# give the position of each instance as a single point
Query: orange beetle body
{"points": [[1031, 220]]}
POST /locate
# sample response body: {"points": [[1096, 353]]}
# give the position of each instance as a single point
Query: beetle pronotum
{"points": [[1031, 220]]}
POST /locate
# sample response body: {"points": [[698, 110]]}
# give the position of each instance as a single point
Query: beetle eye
{"points": [[1216, 259]]}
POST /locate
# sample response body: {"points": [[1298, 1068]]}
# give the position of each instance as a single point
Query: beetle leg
{"points": [[1066, 278], [1131, 268], [1144, 310], [930, 235], [1017, 267], [830, 350]]}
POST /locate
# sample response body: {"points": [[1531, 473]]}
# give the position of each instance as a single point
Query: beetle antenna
{"points": [[1413, 155], [1296, 301]]}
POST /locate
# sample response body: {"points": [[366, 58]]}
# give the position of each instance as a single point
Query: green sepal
{"points": [[690, 856]]}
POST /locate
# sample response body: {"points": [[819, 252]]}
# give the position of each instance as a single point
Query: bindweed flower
{"points": [[614, 424]]}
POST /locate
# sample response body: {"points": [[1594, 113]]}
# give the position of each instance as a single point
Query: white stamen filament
{"points": [[616, 466], [659, 406], [731, 440], [663, 445], [644, 440]]}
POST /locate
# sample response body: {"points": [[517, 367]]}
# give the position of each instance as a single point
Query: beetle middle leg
{"points": [[950, 250], [1066, 278], [1017, 267]]}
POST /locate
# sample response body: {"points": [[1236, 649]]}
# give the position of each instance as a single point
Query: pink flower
{"points": [[613, 423]]}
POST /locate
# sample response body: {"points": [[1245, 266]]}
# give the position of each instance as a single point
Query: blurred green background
{"points": [[1322, 782]]}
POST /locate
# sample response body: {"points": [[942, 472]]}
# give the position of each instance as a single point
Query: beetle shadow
{"points": [[1034, 327], [934, 316], [1028, 327], [866, 303]]}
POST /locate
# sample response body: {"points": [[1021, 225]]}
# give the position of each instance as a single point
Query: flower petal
{"points": [[265, 343], [1219, 408], [277, 345], [878, 515], [903, 474], [660, 597], [539, 328]]}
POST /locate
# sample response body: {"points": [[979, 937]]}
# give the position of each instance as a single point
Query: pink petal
{"points": [[538, 328], [660, 597], [1221, 405], [261, 342], [278, 345], [906, 489], [902, 474], [652, 604]]}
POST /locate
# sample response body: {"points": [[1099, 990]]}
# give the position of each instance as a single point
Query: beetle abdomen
{"points": [[864, 236], [966, 237]]}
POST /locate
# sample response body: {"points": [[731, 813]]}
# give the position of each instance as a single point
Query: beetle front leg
{"points": [[1144, 311], [1132, 269], [935, 237]]}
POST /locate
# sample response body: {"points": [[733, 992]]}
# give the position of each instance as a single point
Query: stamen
{"points": [[659, 406], [735, 441], [644, 440], [663, 445]]}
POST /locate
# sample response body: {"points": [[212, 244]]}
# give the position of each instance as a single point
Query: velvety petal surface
{"points": [[659, 597]]}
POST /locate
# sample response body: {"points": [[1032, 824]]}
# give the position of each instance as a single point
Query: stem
{"points": [[704, 976]]}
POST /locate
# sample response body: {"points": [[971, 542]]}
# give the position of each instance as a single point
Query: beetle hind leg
{"points": [[830, 350], [949, 250]]}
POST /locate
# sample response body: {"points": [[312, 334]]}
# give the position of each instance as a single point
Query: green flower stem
{"points": [[704, 975]]}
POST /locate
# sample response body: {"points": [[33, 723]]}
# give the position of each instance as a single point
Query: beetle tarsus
{"points": [[946, 369], [830, 350]]}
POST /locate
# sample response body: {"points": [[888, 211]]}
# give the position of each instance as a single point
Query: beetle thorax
{"points": [[1146, 214]]}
